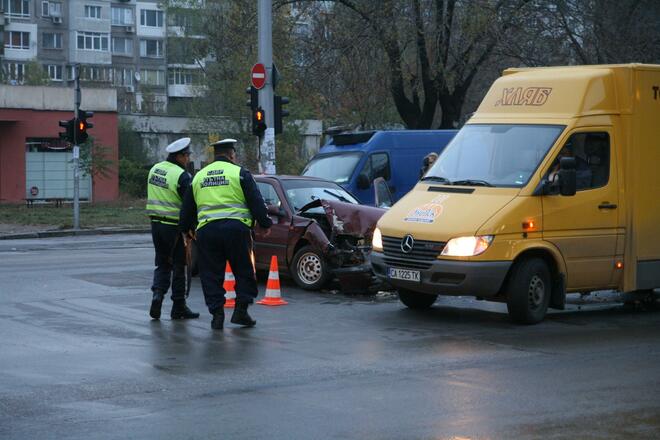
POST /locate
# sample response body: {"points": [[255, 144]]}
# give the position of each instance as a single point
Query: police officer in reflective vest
{"points": [[224, 201], [168, 182]]}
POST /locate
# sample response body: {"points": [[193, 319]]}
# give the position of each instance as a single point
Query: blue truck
{"points": [[354, 160]]}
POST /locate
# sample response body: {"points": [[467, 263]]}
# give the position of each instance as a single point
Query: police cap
{"points": [[178, 146], [225, 143]]}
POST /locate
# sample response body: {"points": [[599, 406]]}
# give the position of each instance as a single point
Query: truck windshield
{"points": [[337, 168], [504, 155]]}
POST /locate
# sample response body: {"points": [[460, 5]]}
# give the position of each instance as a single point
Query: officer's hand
{"points": [[264, 232]]}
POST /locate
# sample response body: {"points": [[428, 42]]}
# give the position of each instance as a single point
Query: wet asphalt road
{"points": [[80, 359]]}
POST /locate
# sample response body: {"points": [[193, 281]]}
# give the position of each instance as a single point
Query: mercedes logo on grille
{"points": [[407, 244]]}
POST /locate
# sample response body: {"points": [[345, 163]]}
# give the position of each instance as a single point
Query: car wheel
{"points": [[309, 269], [528, 291], [417, 301]]}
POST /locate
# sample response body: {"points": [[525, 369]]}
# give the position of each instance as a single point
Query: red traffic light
{"points": [[260, 115]]}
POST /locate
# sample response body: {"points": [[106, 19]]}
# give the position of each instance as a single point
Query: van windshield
{"points": [[337, 168], [503, 155]]}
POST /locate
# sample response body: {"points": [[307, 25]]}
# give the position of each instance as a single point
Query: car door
{"points": [[274, 243], [584, 227]]}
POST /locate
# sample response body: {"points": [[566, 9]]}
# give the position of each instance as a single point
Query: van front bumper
{"points": [[447, 277]]}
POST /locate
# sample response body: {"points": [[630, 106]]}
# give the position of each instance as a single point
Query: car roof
{"points": [[289, 177]]}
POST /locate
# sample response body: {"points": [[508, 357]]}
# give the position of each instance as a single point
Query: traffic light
{"points": [[253, 102], [67, 134], [259, 121], [279, 101], [82, 125]]}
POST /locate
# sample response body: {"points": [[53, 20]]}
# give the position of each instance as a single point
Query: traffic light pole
{"points": [[267, 142], [76, 156]]}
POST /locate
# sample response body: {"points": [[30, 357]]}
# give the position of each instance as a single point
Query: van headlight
{"points": [[467, 246], [377, 240]]}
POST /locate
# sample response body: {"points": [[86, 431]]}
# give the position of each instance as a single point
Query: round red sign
{"points": [[258, 76]]}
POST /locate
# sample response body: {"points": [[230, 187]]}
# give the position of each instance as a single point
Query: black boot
{"points": [[181, 311], [241, 316], [218, 319], [156, 303]]}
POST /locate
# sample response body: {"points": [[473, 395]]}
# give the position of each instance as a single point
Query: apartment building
{"points": [[116, 43]]}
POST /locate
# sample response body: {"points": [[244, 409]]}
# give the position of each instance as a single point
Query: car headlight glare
{"points": [[377, 240], [467, 246]]}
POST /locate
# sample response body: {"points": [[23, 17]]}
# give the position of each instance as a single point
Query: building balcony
{"points": [[185, 91]]}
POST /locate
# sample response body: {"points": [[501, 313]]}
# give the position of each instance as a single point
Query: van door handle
{"points": [[607, 205]]}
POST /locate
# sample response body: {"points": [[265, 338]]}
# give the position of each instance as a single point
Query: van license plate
{"points": [[404, 274]]}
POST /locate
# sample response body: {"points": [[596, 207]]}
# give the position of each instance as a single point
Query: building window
{"points": [[17, 40], [123, 77], [55, 72], [153, 77], [51, 40], [15, 72], [16, 8], [51, 9], [122, 16], [151, 48], [122, 46], [92, 41], [93, 12], [94, 73], [151, 18], [187, 77]]}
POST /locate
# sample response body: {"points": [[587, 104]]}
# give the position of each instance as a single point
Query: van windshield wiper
{"points": [[472, 182], [437, 179], [338, 196]]}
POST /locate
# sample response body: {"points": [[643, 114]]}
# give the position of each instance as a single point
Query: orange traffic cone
{"points": [[273, 294], [230, 287]]}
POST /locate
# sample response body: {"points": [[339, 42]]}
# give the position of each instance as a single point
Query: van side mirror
{"points": [[567, 176], [363, 181]]}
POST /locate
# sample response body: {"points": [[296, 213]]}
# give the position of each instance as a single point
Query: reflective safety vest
{"points": [[218, 194], [163, 199]]}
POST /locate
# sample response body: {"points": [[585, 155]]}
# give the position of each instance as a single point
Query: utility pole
{"points": [[267, 147], [76, 154]]}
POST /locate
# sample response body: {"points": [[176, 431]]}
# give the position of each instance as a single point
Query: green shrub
{"points": [[132, 178]]}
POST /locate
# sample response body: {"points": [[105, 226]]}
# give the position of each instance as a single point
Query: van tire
{"points": [[309, 269], [416, 301], [528, 291]]}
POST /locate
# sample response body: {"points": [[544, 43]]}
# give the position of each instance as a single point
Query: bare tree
{"points": [[433, 49]]}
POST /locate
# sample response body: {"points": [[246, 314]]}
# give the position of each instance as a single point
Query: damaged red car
{"points": [[320, 232]]}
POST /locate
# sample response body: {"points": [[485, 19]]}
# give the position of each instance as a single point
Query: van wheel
{"points": [[416, 301], [309, 269], [528, 291]]}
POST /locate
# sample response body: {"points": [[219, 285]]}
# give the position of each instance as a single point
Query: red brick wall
{"points": [[17, 125]]}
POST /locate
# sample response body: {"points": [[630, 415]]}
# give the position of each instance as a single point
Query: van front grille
{"points": [[406, 263], [422, 249]]}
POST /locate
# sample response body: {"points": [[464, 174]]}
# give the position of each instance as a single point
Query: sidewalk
{"points": [[13, 235]]}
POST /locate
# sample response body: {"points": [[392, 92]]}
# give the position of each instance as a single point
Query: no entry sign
{"points": [[258, 75]]}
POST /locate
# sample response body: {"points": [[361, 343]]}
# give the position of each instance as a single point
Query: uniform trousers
{"points": [[218, 242], [170, 260]]}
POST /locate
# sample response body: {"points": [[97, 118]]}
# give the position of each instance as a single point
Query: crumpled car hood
{"points": [[348, 218]]}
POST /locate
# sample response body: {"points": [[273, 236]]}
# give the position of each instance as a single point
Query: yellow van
{"points": [[553, 186]]}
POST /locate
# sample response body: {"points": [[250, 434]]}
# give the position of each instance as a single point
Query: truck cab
{"points": [[547, 189], [355, 160]]}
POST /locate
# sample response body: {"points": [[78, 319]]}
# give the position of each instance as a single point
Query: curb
{"points": [[72, 232]]}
